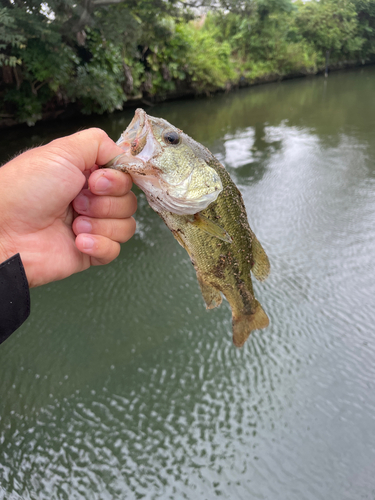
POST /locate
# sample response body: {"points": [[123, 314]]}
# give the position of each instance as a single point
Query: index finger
{"points": [[110, 182]]}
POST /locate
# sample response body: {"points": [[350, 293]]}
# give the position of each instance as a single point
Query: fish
{"points": [[196, 198]]}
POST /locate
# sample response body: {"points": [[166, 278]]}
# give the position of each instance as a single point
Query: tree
{"points": [[71, 50], [99, 53], [366, 20], [331, 25]]}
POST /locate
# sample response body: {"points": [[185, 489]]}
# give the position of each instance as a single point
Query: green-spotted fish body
{"points": [[195, 196]]}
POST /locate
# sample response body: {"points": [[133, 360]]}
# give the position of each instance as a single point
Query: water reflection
{"points": [[248, 152], [122, 385]]}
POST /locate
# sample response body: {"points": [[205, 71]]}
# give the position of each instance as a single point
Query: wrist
{"points": [[8, 249], [5, 251]]}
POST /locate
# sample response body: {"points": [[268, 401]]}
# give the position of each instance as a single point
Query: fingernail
{"points": [[88, 242], [81, 203], [83, 226], [102, 185]]}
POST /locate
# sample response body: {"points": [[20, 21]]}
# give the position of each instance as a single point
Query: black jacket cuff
{"points": [[14, 296]]}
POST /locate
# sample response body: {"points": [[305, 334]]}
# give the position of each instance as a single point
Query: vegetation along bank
{"points": [[94, 56]]}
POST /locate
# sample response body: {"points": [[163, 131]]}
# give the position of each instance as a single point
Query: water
{"points": [[122, 386]]}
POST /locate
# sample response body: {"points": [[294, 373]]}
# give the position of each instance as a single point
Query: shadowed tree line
{"points": [[94, 55]]}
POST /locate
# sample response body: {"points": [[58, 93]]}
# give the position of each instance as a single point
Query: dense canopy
{"points": [[98, 54]]}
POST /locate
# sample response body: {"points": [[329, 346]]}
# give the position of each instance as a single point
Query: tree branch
{"points": [[100, 3]]}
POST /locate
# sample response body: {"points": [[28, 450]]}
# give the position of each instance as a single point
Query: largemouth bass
{"points": [[195, 196]]}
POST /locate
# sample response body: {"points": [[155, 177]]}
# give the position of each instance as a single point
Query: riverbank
{"points": [[121, 55], [182, 92]]}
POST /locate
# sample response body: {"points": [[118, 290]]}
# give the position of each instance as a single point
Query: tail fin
{"points": [[243, 325]]}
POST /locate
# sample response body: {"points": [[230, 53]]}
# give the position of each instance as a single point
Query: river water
{"points": [[122, 386]]}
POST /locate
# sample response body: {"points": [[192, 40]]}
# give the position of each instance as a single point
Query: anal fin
{"points": [[211, 295]]}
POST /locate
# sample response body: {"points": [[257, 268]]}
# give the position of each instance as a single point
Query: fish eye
{"points": [[171, 137]]}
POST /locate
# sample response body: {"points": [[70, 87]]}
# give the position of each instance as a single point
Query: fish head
{"points": [[169, 166]]}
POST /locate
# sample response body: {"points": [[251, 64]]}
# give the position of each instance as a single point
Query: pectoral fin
{"points": [[261, 266], [211, 228]]}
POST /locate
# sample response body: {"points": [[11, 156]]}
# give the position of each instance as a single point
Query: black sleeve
{"points": [[14, 296]]}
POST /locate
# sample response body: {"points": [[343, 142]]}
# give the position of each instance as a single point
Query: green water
{"points": [[122, 386]]}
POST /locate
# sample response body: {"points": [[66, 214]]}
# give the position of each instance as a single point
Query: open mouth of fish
{"points": [[164, 192]]}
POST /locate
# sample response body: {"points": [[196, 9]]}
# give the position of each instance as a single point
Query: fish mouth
{"points": [[134, 138], [139, 147]]}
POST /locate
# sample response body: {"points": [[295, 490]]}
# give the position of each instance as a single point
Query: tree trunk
{"points": [[7, 75], [327, 63]]}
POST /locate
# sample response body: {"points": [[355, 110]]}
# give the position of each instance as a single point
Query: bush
{"points": [[194, 54], [50, 57], [98, 83]]}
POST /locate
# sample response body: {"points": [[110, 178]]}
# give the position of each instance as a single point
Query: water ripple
{"points": [[122, 385]]}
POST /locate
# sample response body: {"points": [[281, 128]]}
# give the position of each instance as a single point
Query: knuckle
{"points": [[128, 181], [113, 232], [128, 230], [116, 251], [107, 208], [112, 250], [100, 134], [133, 202], [133, 225]]}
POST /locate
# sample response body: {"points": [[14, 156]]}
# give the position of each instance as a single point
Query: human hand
{"points": [[58, 227]]}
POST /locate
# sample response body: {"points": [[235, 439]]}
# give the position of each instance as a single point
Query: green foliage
{"points": [[209, 61], [28, 106], [47, 63], [365, 10], [331, 25], [267, 44], [99, 53], [193, 54], [97, 83], [10, 39]]}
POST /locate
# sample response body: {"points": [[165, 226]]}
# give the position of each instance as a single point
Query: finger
{"points": [[86, 148], [105, 207], [110, 182], [102, 250], [120, 230]]}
